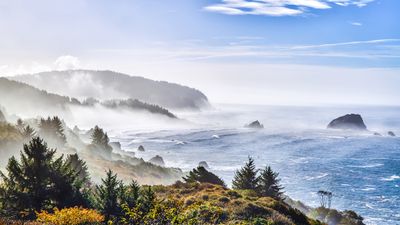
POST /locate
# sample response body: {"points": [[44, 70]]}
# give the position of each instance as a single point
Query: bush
{"points": [[70, 216]]}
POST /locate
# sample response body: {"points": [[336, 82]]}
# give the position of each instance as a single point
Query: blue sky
{"points": [[198, 42]]}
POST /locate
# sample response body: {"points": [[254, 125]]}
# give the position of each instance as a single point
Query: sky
{"points": [[295, 52]]}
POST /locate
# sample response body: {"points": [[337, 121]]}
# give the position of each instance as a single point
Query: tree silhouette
{"points": [[246, 177], [100, 139], [203, 176], [52, 130], [268, 183], [38, 182]]}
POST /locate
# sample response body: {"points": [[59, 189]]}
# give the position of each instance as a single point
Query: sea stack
{"points": [[392, 134], [204, 164], [157, 160], [255, 124], [141, 148], [348, 122]]}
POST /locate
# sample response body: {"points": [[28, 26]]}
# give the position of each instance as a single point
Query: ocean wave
{"points": [[317, 177], [391, 178], [368, 165]]}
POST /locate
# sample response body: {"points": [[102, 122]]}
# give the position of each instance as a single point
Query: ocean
{"points": [[362, 170]]}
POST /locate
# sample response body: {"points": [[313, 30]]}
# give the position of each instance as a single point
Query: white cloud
{"points": [[277, 7], [66, 62], [356, 23]]}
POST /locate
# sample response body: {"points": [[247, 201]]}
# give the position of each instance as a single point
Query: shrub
{"points": [[70, 216]]}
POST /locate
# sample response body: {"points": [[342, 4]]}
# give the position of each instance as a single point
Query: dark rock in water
{"points": [[2, 117], [116, 145], [348, 122], [391, 133], [204, 164], [141, 148], [377, 134], [255, 124], [157, 160]]}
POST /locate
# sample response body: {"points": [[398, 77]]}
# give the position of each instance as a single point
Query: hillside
{"points": [[107, 85], [19, 97]]}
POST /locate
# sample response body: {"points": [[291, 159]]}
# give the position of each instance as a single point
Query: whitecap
{"points": [[391, 178], [368, 165], [368, 189], [317, 177], [215, 136]]}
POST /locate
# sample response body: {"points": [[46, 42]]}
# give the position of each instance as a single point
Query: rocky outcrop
{"points": [[141, 148], [157, 160], [392, 134], [348, 122], [204, 164], [377, 134], [255, 124], [116, 146]]}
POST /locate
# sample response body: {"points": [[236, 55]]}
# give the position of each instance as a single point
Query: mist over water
{"points": [[362, 170]]}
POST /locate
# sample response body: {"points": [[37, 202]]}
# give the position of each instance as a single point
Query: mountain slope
{"points": [[112, 85], [19, 97]]}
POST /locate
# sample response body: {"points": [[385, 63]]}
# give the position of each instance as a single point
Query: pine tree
{"points": [[246, 177], [28, 133], [147, 200], [268, 183], [108, 196], [203, 176], [100, 139], [80, 167], [132, 194], [52, 130], [38, 182]]}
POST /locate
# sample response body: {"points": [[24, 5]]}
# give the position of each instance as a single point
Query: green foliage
{"points": [[246, 177], [268, 183], [203, 176], [108, 196], [38, 182]]}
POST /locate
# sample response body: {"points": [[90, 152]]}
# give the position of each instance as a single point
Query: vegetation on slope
{"points": [[116, 85], [15, 94]]}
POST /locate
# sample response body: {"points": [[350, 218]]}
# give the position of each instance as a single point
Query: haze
{"points": [[292, 52]]}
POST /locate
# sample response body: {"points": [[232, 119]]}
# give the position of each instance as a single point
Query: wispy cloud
{"points": [[356, 23], [277, 7], [347, 43]]}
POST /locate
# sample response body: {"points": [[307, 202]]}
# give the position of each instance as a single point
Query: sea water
{"points": [[362, 170]]}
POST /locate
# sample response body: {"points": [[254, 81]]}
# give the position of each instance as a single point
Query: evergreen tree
{"points": [[108, 196], [38, 182], [246, 177], [147, 200], [80, 168], [52, 130], [132, 194], [203, 176], [268, 183], [28, 133], [100, 139]]}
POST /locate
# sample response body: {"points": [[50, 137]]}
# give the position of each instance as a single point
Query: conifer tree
{"points": [[132, 194], [108, 196], [147, 199], [203, 176], [100, 139], [38, 182], [52, 130], [28, 133], [268, 183], [246, 177]]}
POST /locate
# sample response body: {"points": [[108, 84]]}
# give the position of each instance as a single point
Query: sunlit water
{"points": [[362, 170]]}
